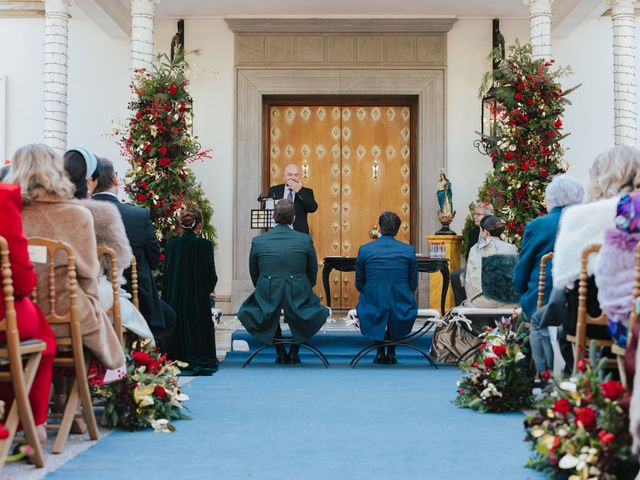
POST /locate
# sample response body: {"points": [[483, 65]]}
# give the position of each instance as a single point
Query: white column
{"points": [[142, 12], [56, 41], [540, 27], [624, 71]]}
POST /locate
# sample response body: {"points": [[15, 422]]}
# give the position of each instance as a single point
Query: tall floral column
{"points": [[142, 12], [540, 27], [624, 71], [56, 42]]}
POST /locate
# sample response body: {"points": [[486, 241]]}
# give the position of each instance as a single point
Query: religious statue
{"points": [[446, 213], [177, 41]]}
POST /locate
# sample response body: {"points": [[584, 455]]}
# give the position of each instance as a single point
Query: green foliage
{"points": [[528, 152], [159, 146]]}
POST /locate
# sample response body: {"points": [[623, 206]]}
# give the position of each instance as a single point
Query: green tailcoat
{"points": [[283, 268], [189, 278]]}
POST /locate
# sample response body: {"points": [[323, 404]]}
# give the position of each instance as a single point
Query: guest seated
{"points": [[32, 324], [615, 271], [489, 244], [83, 169], [457, 276], [283, 268], [538, 239], [386, 277], [613, 173], [160, 317], [51, 212]]}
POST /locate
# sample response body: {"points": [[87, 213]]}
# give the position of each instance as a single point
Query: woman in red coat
{"points": [[32, 324]]}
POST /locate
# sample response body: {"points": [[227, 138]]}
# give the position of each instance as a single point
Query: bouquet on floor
{"points": [[579, 430], [496, 379], [149, 394]]}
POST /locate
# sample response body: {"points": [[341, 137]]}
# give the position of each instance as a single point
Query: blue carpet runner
{"points": [[289, 422]]}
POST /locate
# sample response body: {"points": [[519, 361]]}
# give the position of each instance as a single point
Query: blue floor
{"points": [[307, 422]]}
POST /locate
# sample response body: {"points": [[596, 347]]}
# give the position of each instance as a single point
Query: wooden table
{"points": [[348, 264]]}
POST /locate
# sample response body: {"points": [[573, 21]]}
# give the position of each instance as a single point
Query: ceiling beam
{"points": [[111, 16], [21, 8], [572, 13]]}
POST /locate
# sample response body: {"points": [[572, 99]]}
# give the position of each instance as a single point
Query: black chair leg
{"points": [[311, 348]]}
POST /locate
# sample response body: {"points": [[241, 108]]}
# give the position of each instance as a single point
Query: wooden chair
{"points": [[580, 340], [114, 311], [23, 358], [633, 318], [542, 278], [70, 351], [134, 283]]}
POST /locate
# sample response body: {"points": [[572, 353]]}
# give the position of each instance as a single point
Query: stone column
{"points": [[142, 12], [624, 71], [56, 42], [540, 27]]}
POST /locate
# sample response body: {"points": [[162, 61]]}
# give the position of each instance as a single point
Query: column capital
{"points": [[538, 7], [622, 7], [143, 6], [57, 6]]}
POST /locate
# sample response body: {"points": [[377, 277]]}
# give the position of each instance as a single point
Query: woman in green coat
{"points": [[189, 280]]}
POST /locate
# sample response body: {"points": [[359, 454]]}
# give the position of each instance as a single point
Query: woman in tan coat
{"points": [[51, 212]]}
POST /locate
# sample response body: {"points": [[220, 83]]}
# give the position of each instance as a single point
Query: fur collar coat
{"points": [[580, 226], [66, 220], [473, 272]]}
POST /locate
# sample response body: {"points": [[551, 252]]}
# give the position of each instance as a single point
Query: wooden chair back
{"points": [[70, 351], [134, 282], [633, 316], [581, 341], [114, 311], [20, 374], [542, 278]]}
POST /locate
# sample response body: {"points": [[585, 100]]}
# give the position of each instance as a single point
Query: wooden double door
{"points": [[358, 159]]}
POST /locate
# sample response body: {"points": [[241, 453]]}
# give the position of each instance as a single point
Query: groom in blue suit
{"points": [[386, 277]]}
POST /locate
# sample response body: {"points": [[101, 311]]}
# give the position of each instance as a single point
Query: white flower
{"points": [[490, 391], [568, 462], [568, 386], [519, 356], [181, 397]]}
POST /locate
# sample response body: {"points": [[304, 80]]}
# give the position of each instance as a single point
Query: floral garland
{"points": [[579, 429], [528, 152], [159, 145], [495, 380], [148, 396]]}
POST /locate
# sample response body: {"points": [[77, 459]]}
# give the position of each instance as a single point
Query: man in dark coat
{"points": [[301, 197], [144, 243], [459, 293], [283, 268], [386, 277]]}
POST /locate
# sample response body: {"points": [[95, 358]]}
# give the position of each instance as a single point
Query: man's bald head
{"points": [[292, 172]]}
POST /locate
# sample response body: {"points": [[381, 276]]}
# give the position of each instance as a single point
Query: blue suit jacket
{"points": [[538, 240], [386, 277]]}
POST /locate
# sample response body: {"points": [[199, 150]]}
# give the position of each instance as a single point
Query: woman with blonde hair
{"points": [[51, 212]]}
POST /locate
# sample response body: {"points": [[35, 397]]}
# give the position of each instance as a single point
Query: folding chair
{"points": [[580, 341], [70, 351], [23, 358], [114, 311], [616, 349]]}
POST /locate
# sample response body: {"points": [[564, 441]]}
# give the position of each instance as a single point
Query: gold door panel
{"points": [[357, 161]]}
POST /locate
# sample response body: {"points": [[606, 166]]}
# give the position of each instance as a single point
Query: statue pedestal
{"points": [[452, 245]]}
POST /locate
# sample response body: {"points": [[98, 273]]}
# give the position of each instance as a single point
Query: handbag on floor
{"points": [[454, 340]]}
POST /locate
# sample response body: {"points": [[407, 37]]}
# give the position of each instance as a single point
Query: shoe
{"points": [[391, 359], [380, 359], [293, 358], [281, 355]]}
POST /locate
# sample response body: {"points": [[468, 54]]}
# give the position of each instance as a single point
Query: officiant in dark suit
{"points": [[144, 243], [301, 197], [283, 268]]}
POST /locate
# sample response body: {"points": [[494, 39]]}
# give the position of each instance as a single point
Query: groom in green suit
{"points": [[283, 268]]}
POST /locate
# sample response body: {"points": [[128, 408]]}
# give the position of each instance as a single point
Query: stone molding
{"points": [[340, 25], [252, 84]]}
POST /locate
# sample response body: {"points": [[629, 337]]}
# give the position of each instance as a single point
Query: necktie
{"points": [[290, 195]]}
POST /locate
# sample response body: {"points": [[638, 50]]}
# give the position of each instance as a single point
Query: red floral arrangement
{"points": [[579, 429], [528, 151], [159, 146]]}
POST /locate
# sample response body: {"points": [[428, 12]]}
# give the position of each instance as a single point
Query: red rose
{"points": [[160, 392], [141, 358], [524, 167], [172, 89], [521, 86], [162, 257], [163, 162], [582, 364], [558, 123], [4, 433], [143, 184], [508, 155], [529, 101], [545, 375], [606, 437], [612, 390], [163, 150], [499, 350], [138, 115], [518, 96], [489, 363], [511, 168], [549, 134], [153, 366], [562, 406], [167, 107], [141, 197], [586, 417], [183, 107], [482, 345], [460, 391]]}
